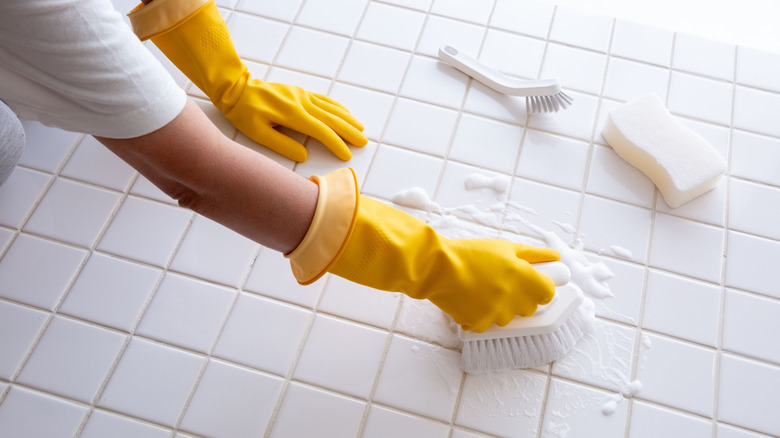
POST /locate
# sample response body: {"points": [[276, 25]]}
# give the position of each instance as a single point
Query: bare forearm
{"points": [[193, 162]]}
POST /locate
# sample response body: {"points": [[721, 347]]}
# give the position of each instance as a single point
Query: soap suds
{"points": [[606, 359], [621, 252], [499, 184]]}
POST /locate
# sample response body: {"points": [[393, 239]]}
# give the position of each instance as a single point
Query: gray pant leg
{"points": [[11, 141]]}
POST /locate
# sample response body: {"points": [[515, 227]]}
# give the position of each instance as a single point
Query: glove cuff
{"points": [[160, 16], [334, 220]]}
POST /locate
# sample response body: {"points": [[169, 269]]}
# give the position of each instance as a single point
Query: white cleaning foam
{"points": [[681, 163]]}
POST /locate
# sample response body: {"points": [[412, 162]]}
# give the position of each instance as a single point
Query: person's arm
{"points": [[194, 163]]}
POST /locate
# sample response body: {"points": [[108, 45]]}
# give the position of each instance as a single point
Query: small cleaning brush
{"points": [[535, 340], [543, 95]]}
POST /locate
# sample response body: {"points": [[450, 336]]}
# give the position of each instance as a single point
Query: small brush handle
{"points": [[494, 79], [558, 272]]}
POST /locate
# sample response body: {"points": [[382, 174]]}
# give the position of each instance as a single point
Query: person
{"points": [[74, 64]]}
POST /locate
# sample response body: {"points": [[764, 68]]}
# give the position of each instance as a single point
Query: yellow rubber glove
{"points": [[193, 35], [478, 282]]}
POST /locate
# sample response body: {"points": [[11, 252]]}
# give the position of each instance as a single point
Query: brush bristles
{"points": [[548, 104], [527, 351]]}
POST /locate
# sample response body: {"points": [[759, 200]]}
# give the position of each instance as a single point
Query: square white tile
{"points": [[213, 252], [486, 143], [504, 404], [341, 356], [611, 227], [551, 208], [602, 358], [420, 127], [750, 259], [388, 423], [370, 107], [92, 162], [319, 15], [577, 121], [262, 333], [578, 411], [146, 231], [687, 247], [231, 401], [272, 276], [576, 69], [359, 303], [626, 80], [151, 381], [62, 418], [22, 264], [754, 208], [642, 42], [653, 421], [704, 56], [528, 17], [552, 159], [467, 187], [19, 194], [312, 51], [395, 169], [83, 354], [19, 328], [429, 372], [435, 82], [46, 147], [668, 302], [326, 414], [247, 29], [524, 61], [613, 177], [627, 285], [284, 11], [679, 375], [110, 291], [755, 157], [381, 23], [758, 68], [73, 212], [102, 423], [573, 27], [466, 10], [749, 325], [439, 31], [421, 319], [373, 66], [700, 98], [186, 312], [754, 409]]}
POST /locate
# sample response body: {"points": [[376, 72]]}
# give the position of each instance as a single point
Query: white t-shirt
{"points": [[76, 65]]}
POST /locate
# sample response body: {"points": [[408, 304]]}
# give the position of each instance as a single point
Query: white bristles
{"points": [[548, 104], [520, 352]]}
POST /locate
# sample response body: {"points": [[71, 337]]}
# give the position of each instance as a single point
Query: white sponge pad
{"points": [[681, 163]]}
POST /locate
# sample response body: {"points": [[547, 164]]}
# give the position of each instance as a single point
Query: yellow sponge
{"points": [[681, 163]]}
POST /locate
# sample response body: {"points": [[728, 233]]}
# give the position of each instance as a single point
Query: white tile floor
{"points": [[123, 315]]}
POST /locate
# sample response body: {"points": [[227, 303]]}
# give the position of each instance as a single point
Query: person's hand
{"points": [[193, 35], [478, 282]]}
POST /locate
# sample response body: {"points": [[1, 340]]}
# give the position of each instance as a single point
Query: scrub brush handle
{"points": [[496, 80]]}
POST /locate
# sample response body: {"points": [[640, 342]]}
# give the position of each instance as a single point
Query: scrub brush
{"points": [[542, 95], [535, 340]]}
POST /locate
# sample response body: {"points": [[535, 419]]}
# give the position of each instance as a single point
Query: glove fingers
{"points": [[314, 127], [280, 143], [342, 122], [330, 100], [533, 254]]}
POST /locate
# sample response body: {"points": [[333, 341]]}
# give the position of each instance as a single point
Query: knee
{"points": [[11, 141]]}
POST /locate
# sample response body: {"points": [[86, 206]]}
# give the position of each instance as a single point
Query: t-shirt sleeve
{"points": [[76, 65]]}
